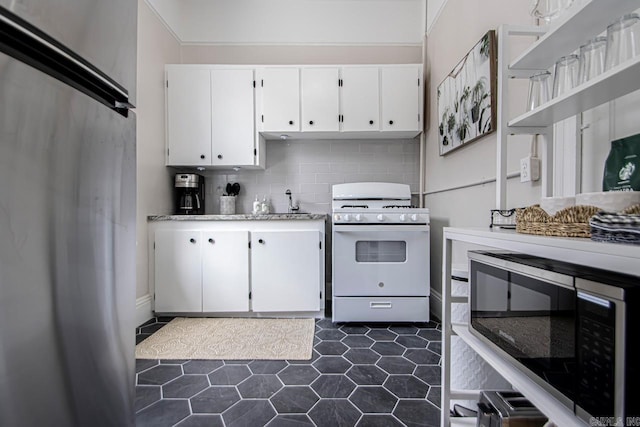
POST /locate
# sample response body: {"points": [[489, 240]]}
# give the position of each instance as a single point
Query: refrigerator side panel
{"points": [[67, 251], [67, 227]]}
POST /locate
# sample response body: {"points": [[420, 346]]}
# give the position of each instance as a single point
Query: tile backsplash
{"points": [[310, 168]]}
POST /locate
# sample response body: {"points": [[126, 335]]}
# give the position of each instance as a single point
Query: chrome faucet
{"points": [[292, 208]]}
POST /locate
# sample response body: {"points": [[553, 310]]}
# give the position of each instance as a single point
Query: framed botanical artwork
{"points": [[467, 97]]}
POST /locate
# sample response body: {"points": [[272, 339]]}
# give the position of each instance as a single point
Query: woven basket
{"points": [[631, 210], [572, 221]]}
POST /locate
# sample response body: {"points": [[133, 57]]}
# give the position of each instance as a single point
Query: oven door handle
{"points": [[375, 228]]}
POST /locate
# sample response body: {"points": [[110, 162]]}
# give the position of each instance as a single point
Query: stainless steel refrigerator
{"points": [[67, 212]]}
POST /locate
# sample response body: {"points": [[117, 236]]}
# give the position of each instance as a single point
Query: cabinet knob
{"points": [[192, 240], [370, 122], [390, 122], [220, 156], [310, 122], [290, 122], [211, 241], [202, 156], [261, 241]]}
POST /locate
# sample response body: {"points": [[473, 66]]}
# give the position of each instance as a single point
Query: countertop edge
{"points": [[239, 217]]}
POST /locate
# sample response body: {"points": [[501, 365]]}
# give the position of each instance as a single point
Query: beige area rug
{"points": [[230, 338]]}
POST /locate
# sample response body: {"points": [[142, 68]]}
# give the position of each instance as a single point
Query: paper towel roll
{"points": [[551, 205], [609, 201]]}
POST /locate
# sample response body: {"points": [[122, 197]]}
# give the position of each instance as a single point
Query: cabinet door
{"points": [[285, 270], [280, 99], [188, 117], [225, 271], [178, 273], [400, 98], [232, 124], [360, 99], [319, 99]]}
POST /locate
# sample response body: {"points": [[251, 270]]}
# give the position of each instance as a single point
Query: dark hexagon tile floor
{"points": [[359, 375]]}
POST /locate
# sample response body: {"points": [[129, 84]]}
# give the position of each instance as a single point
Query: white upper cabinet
{"points": [[360, 99], [280, 99], [220, 115], [210, 116], [319, 99], [188, 117], [232, 122], [401, 98]]}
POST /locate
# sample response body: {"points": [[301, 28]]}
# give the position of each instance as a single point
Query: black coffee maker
{"points": [[189, 194]]}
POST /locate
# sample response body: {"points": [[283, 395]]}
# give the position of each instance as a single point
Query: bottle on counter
{"points": [[257, 206], [264, 206]]}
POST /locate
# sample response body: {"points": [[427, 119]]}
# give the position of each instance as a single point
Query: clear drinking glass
{"points": [[565, 76], [592, 55], [538, 90], [623, 40], [548, 10]]}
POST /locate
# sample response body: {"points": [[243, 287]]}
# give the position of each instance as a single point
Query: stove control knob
{"points": [[380, 217], [358, 217], [347, 217], [414, 217], [403, 217], [337, 217]]}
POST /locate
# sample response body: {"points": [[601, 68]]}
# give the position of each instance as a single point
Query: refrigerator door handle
{"points": [[28, 44]]}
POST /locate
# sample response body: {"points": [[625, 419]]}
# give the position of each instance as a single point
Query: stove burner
{"points": [[399, 207], [355, 206]]}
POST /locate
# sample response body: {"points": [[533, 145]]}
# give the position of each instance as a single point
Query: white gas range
{"points": [[380, 254]]}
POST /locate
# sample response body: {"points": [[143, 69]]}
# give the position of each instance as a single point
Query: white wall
{"points": [[297, 55], [306, 22], [434, 7], [468, 207], [156, 47]]}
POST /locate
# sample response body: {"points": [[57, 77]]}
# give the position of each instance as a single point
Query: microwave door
{"points": [[529, 319]]}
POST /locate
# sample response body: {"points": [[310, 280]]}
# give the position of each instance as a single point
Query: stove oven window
{"points": [[381, 251]]}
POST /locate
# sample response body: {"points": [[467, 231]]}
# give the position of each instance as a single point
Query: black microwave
{"points": [[573, 330]]}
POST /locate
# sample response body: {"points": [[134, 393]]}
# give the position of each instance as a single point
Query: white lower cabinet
{"points": [[225, 271], [285, 270], [198, 271], [242, 268], [178, 273]]}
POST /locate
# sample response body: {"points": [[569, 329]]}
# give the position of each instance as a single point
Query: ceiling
{"points": [[294, 22]]}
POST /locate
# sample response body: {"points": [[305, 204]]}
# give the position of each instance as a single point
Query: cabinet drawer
{"points": [[380, 309]]}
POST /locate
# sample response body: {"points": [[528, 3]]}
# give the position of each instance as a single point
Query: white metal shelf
{"points": [[585, 19], [606, 87], [547, 404], [582, 21]]}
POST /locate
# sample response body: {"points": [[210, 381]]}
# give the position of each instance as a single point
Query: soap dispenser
{"points": [[265, 205], [257, 206]]}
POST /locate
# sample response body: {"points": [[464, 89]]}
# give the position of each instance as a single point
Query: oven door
{"points": [[384, 260]]}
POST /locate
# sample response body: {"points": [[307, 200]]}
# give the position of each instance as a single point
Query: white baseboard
{"points": [[143, 309], [436, 305]]}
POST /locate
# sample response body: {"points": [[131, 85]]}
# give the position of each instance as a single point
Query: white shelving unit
{"points": [[616, 257], [584, 20]]}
